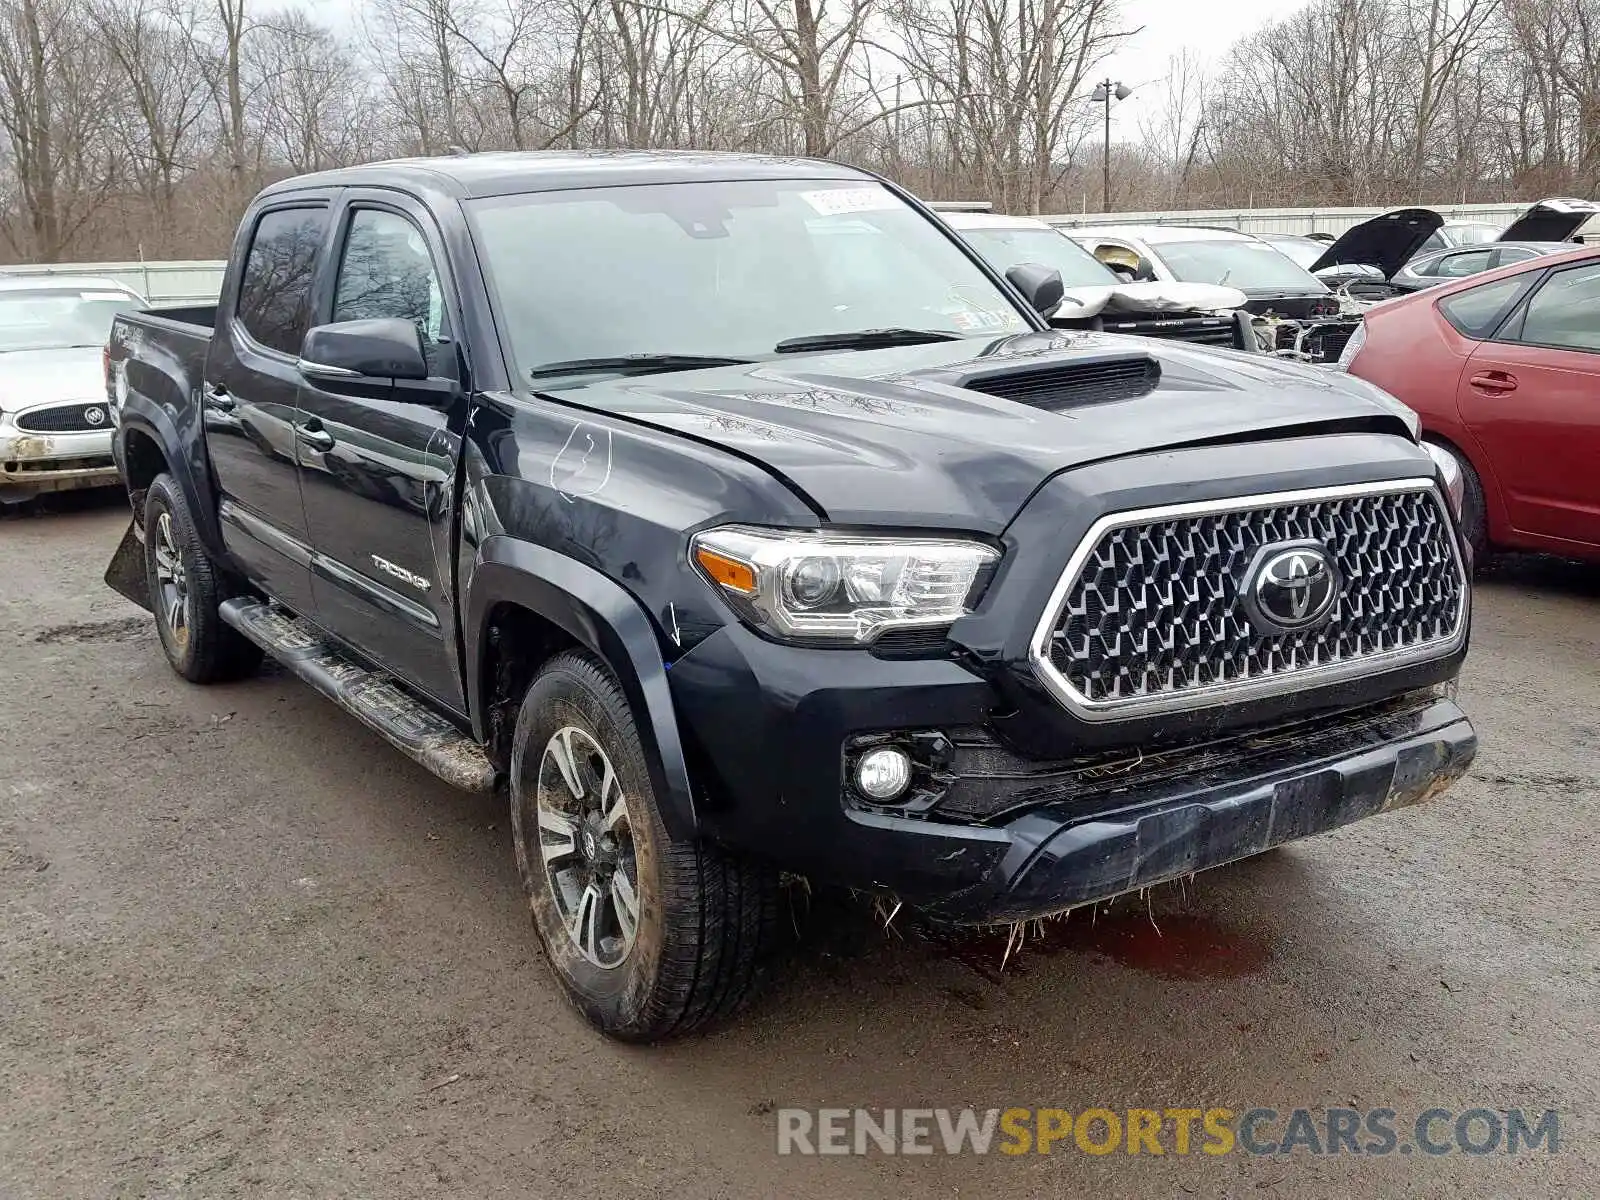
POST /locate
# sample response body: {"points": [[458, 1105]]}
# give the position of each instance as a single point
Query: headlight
{"points": [[840, 587], [1352, 348], [1455, 482]]}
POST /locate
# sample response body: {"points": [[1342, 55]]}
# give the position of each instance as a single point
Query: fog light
{"points": [[884, 773]]}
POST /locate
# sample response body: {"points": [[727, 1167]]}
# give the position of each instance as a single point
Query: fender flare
{"points": [[600, 616], [154, 422]]}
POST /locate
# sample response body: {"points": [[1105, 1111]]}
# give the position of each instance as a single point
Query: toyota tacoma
{"points": [[742, 521]]}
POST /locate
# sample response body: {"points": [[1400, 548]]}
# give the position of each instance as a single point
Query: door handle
{"points": [[1494, 382], [217, 398], [315, 437]]}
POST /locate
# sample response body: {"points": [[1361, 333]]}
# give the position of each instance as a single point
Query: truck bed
{"points": [[197, 319]]}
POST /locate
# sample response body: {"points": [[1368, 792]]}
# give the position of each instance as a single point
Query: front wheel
{"points": [[185, 591], [650, 936]]}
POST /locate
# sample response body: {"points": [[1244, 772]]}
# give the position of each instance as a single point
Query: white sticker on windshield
{"points": [[833, 202], [102, 295]]}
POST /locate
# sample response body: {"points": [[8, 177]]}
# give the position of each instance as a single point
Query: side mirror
{"points": [[1040, 286], [382, 348], [1146, 272]]}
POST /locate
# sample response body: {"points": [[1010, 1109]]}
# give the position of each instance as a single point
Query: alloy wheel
{"points": [[172, 581], [586, 845]]}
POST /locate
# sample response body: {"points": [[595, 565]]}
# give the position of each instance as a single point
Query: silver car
{"points": [[55, 422]]}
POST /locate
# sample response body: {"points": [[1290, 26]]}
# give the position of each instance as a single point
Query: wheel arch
{"points": [[1496, 516], [554, 603], [146, 444]]}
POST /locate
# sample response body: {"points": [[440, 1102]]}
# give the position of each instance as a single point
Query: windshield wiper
{"points": [[634, 364], [864, 339]]}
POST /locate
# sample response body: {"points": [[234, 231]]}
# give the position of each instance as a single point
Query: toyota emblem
{"points": [[94, 416], [1291, 586]]}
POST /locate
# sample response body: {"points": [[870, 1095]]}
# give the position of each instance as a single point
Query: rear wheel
{"points": [[651, 936], [185, 591]]}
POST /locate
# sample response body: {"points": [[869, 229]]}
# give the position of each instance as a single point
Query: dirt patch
{"points": [[119, 629], [1170, 945]]}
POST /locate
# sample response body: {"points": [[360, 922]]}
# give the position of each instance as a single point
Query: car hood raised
{"points": [[33, 378], [889, 437], [1552, 220], [1386, 242]]}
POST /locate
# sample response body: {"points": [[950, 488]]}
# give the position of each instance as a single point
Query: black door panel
{"points": [[378, 458], [252, 401]]}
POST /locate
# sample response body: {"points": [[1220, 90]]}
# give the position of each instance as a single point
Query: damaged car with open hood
{"points": [[1404, 251], [1293, 313], [1097, 295], [831, 560]]}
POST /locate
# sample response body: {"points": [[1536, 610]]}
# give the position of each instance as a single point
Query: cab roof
{"points": [[511, 172]]}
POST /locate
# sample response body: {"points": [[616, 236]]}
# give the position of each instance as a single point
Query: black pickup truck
{"points": [[742, 521]]}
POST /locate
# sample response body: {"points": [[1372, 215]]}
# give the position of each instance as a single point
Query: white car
{"points": [[1300, 315], [55, 419], [1097, 297]]}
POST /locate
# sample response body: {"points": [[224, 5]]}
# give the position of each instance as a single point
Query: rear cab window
{"points": [[274, 303]]}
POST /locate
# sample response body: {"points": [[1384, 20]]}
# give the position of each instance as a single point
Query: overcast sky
{"points": [[1208, 27]]}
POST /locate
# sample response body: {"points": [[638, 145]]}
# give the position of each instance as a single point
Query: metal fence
{"points": [[162, 283], [200, 282], [1286, 220]]}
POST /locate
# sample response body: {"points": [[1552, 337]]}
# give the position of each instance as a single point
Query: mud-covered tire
{"points": [[197, 643], [703, 917]]}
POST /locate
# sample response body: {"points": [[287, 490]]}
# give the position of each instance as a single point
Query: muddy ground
{"points": [[247, 949]]}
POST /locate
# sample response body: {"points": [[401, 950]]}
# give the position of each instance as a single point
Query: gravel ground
{"points": [[247, 949]]}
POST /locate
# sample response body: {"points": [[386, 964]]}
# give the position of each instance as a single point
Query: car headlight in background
{"points": [[1455, 482], [1352, 348], [840, 587]]}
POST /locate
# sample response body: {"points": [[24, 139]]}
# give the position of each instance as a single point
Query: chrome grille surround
{"points": [[1366, 528]]}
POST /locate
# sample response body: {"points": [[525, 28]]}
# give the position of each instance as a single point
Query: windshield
{"points": [[54, 319], [1005, 248], [726, 269], [1250, 266], [1303, 252], [1469, 235]]}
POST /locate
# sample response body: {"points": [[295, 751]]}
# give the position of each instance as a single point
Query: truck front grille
{"points": [[1150, 614], [83, 417]]}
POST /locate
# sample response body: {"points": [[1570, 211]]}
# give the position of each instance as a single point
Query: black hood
{"points": [[960, 434], [1552, 220], [1386, 242]]}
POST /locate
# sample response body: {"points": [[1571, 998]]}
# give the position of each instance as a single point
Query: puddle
{"points": [[1173, 946]]}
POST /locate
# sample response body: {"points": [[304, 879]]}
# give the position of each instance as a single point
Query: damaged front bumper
{"points": [[31, 463], [1174, 822]]}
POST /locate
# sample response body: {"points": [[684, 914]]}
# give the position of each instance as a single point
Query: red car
{"points": [[1504, 369]]}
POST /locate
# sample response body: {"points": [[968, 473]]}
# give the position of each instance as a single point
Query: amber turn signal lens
{"points": [[729, 572]]}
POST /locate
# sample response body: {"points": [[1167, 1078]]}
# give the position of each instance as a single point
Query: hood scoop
{"points": [[1055, 386]]}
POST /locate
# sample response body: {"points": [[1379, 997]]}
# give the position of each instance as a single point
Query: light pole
{"points": [[1105, 93]]}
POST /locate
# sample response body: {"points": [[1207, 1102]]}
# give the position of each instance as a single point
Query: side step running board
{"points": [[372, 697]]}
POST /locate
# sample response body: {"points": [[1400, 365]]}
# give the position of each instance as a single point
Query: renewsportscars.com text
{"points": [[1375, 1132]]}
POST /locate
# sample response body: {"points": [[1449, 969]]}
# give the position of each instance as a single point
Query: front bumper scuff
{"points": [[54, 462], [1058, 859]]}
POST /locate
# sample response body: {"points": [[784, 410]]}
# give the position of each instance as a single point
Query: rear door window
{"points": [[1458, 266], [275, 291], [1565, 312]]}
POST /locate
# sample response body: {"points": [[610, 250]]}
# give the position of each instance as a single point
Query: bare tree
{"points": [[1173, 132]]}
